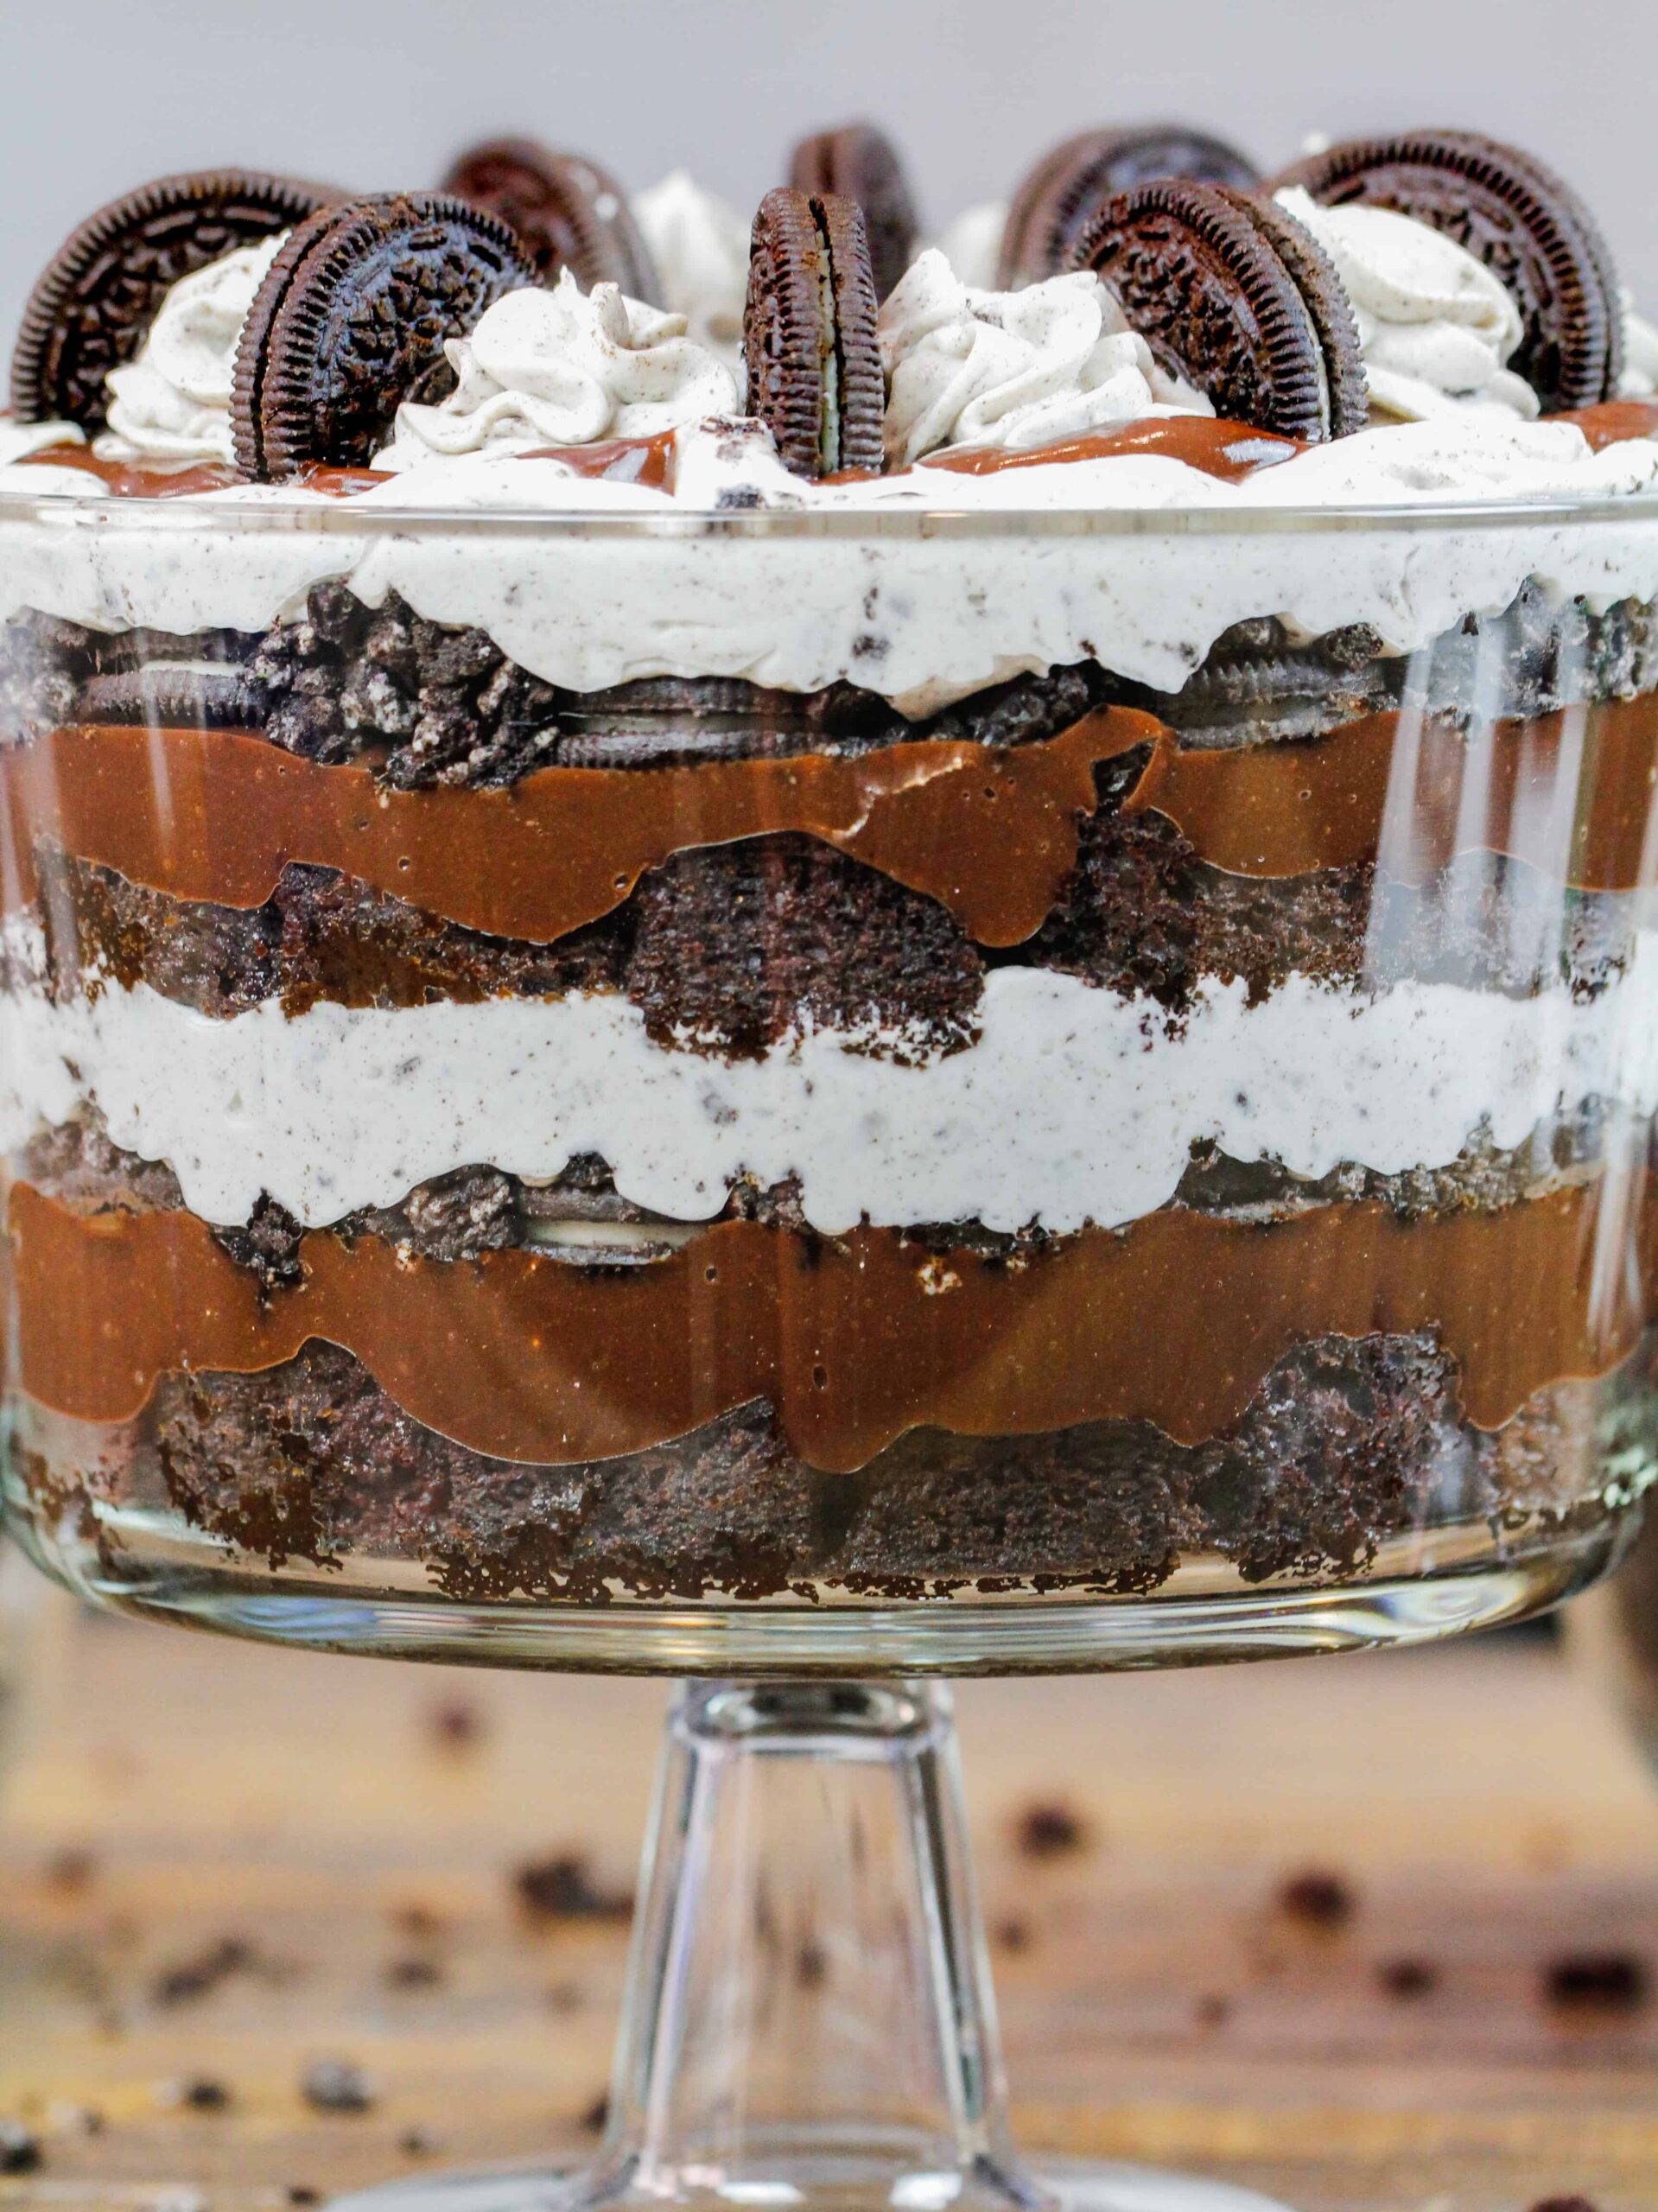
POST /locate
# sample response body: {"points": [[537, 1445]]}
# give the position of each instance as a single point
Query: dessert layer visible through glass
{"points": [[975, 1165]]}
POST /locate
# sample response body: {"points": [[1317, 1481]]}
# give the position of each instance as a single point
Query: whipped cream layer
{"points": [[1073, 1104], [751, 574], [1436, 326], [173, 402], [1015, 370], [563, 367]]}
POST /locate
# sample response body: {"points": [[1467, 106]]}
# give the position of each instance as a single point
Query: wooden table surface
{"points": [[219, 1864]]}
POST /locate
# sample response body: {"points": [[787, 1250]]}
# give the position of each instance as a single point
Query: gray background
{"points": [[101, 94]]}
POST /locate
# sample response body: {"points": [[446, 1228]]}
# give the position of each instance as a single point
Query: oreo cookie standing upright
{"points": [[860, 162], [92, 307], [569, 212], [809, 335], [1235, 295], [350, 320], [1059, 195], [1516, 217]]}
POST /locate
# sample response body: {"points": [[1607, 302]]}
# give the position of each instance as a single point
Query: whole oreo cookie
{"points": [[569, 212], [1530, 230], [1055, 201], [860, 162], [351, 320], [1236, 296], [92, 306], [809, 334]]}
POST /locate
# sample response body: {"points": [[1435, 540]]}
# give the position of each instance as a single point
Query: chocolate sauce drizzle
{"points": [[1176, 1321]]}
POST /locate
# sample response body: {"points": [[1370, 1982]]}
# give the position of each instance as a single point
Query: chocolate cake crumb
{"points": [[1611, 1982], [20, 2152], [203, 2094], [1012, 1934], [1213, 2010], [1318, 1897], [415, 2143], [336, 2085], [1565, 2204], [301, 2193], [1050, 1829], [562, 1888], [594, 2120]]}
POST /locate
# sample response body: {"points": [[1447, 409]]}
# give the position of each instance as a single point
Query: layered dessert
{"points": [[757, 921]]}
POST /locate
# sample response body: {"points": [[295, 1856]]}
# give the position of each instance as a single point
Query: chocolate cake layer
{"points": [[1348, 1446]]}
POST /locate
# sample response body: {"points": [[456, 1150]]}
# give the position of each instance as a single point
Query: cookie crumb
{"points": [[1590, 1981], [1408, 1978], [1317, 1898], [1050, 1829], [595, 2117], [336, 2085], [414, 1973], [1012, 1934], [72, 1870], [455, 1724], [562, 1888], [203, 2094], [198, 1977], [1212, 2010], [20, 2152]]}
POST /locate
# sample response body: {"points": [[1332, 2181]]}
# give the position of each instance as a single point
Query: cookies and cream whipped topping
{"points": [[1437, 328], [1013, 370], [173, 403], [700, 245], [560, 368]]}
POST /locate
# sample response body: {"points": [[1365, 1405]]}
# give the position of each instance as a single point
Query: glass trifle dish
{"points": [[810, 964]]}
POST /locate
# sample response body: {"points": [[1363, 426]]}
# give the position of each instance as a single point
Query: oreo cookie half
{"points": [[1530, 230], [183, 696], [809, 334], [569, 212], [1238, 298], [350, 320], [90, 310], [1055, 201], [860, 163]]}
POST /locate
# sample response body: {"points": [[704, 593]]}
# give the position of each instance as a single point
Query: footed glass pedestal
{"points": [[808, 2018]]}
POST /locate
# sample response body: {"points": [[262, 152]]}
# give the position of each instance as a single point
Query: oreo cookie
{"points": [[350, 320], [1056, 199], [1237, 297], [1513, 215], [860, 162], [164, 695], [569, 212], [92, 307], [809, 334]]}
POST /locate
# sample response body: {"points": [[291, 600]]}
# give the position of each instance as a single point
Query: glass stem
{"points": [[809, 2008]]}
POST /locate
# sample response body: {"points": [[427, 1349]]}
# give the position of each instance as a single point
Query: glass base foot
{"points": [[1070, 2184]]}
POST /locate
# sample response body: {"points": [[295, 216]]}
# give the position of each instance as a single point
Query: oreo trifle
{"points": [[1001, 950]]}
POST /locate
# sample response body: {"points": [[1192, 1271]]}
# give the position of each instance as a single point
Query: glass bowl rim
{"points": [[221, 514]]}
